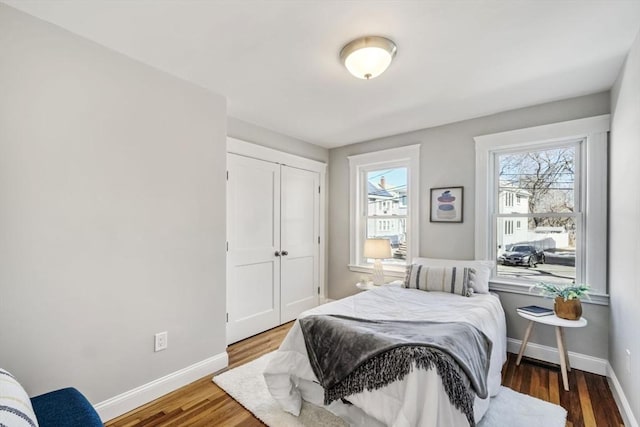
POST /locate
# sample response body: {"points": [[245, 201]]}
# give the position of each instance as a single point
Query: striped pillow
{"points": [[454, 280], [15, 405]]}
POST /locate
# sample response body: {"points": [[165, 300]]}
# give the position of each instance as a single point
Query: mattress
{"points": [[418, 399]]}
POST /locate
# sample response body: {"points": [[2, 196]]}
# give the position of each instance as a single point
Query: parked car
{"points": [[522, 255]]}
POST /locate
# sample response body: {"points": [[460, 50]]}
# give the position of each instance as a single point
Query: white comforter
{"points": [[419, 399]]}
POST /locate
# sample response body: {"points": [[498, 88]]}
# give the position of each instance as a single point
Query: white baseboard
{"points": [[621, 399], [125, 402], [550, 354]]}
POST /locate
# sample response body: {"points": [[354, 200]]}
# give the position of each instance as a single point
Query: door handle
{"points": [[285, 253], [277, 253]]}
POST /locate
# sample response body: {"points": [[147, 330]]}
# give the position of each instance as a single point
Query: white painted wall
{"points": [[447, 158], [112, 214], [624, 228]]}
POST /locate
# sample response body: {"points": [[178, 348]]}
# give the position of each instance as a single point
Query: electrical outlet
{"points": [[161, 341], [628, 361]]}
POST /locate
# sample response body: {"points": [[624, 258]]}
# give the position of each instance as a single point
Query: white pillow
{"points": [[15, 405], [483, 269]]}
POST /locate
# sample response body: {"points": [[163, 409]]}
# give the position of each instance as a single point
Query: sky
{"points": [[394, 177]]}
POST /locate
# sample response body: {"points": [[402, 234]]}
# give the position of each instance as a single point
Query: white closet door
{"points": [[253, 232], [300, 228]]}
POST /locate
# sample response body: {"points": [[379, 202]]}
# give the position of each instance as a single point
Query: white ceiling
{"points": [[277, 61]]}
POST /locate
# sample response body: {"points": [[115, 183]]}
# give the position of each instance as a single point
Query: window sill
{"points": [[503, 285], [389, 270]]}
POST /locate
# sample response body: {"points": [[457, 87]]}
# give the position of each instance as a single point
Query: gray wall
{"points": [[447, 157], [258, 135], [624, 228], [112, 214]]}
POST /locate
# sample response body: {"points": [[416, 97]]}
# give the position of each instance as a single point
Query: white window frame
{"points": [[593, 132], [359, 165]]}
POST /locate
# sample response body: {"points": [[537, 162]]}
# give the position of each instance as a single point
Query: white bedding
{"points": [[419, 399]]}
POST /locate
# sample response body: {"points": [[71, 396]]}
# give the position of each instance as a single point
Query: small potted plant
{"points": [[567, 298]]}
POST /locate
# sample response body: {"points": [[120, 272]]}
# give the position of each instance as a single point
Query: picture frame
{"points": [[447, 204]]}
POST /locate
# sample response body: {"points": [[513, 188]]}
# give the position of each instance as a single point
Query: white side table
{"points": [[559, 323], [365, 286]]}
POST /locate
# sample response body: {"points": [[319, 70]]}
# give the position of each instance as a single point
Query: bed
{"points": [[419, 398]]}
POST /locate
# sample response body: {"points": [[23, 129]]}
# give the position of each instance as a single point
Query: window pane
{"points": [[394, 229], [537, 181], [540, 249], [387, 209], [387, 192]]}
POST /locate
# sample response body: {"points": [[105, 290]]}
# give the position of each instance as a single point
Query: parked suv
{"points": [[522, 255]]}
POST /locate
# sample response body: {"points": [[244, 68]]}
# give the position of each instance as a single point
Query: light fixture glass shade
{"points": [[377, 248], [368, 57]]}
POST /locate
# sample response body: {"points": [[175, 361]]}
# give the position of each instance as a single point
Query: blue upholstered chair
{"points": [[66, 407]]}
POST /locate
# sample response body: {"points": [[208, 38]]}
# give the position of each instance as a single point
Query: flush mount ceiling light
{"points": [[368, 57]]}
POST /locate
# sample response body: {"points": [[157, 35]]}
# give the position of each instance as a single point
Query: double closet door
{"points": [[273, 244]]}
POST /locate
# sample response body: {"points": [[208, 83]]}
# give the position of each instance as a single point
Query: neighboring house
{"points": [[512, 231], [387, 203]]}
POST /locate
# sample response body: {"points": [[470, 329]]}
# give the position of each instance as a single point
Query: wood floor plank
{"points": [[525, 380], [508, 371], [543, 389], [203, 404], [574, 409], [602, 412], [554, 389], [585, 402], [516, 382], [534, 383]]}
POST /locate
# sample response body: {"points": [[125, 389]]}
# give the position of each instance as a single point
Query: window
{"points": [[508, 227], [384, 188], [547, 184], [508, 199], [384, 204], [556, 174]]}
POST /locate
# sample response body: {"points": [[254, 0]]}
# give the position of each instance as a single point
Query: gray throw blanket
{"points": [[349, 355]]}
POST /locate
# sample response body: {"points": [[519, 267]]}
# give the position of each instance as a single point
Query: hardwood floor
{"points": [[588, 403], [202, 403]]}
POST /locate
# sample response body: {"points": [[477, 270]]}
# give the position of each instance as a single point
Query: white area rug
{"points": [[246, 385]]}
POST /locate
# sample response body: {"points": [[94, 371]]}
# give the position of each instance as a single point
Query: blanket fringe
{"points": [[395, 364]]}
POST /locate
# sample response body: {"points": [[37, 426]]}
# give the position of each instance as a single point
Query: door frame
{"points": [[249, 149]]}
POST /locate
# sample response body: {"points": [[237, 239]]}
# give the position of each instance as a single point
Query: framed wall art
{"points": [[446, 204]]}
